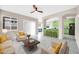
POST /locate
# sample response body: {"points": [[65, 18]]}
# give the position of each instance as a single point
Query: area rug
{"points": [[30, 52]]}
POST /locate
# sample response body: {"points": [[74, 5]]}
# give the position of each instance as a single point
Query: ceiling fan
{"points": [[36, 9]]}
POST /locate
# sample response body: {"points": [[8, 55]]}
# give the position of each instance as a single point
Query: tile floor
{"points": [[45, 42], [73, 49]]}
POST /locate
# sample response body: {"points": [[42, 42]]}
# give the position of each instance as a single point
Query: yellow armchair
{"points": [[21, 36]]}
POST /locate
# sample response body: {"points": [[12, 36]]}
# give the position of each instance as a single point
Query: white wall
{"points": [[61, 27], [29, 27], [77, 29]]}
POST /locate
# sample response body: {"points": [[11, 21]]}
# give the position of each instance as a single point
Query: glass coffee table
{"points": [[31, 44]]}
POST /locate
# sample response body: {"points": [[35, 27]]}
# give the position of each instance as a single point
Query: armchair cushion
{"points": [[8, 50], [6, 44], [56, 48], [63, 48], [21, 33], [1, 49], [3, 38], [6, 47], [21, 36]]}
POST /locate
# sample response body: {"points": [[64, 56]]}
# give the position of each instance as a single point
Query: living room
{"points": [[22, 24]]}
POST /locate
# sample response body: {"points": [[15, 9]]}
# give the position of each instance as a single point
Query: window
{"points": [[9, 23]]}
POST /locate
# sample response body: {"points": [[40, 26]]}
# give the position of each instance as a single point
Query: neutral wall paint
{"points": [[19, 17], [77, 27], [29, 27]]}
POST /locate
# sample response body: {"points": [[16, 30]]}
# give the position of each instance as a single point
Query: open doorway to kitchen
{"points": [[69, 28]]}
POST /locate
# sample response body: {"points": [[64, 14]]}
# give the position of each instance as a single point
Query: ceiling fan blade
{"points": [[32, 12], [40, 11], [35, 8]]}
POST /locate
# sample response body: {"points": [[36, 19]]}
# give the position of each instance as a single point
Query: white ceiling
{"points": [[52, 19], [26, 9]]}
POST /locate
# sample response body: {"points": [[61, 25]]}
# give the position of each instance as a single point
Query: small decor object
{"points": [[28, 36], [39, 29], [31, 41], [4, 31]]}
